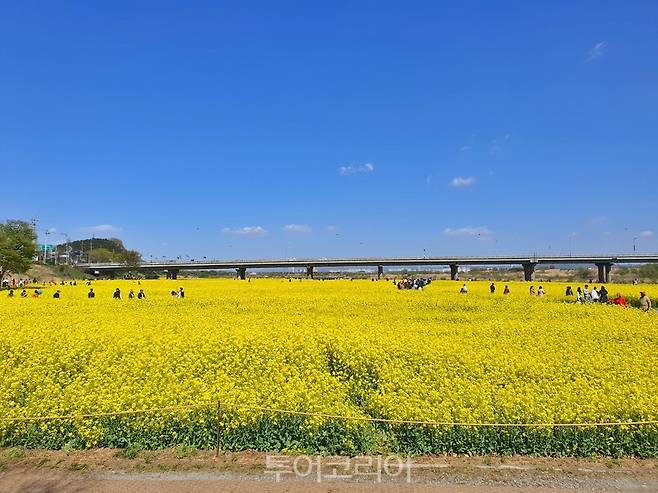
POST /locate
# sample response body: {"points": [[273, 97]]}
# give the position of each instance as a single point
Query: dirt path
{"points": [[183, 470]]}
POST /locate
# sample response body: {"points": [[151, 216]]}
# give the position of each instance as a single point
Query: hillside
{"points": [[114, 245], [46, 273], [99, 250]]}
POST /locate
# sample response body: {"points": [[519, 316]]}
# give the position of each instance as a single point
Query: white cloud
{"points": [[466, 148], [51, 231], [597, 51], [480, 232], [332, 229], [245, 231], [101, 228], [352, 169], [646, 233], [462, 182], [297, 228]]}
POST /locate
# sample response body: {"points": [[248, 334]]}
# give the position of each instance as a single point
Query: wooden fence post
{"points": [[219, 431]]}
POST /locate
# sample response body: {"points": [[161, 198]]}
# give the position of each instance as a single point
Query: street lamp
{"points": [[571, 237], [634, 240]]}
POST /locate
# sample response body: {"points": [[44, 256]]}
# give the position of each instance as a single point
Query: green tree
{"points": [[18, 247], [101, 255], [130, 257], [649, 271], [583, 274]]}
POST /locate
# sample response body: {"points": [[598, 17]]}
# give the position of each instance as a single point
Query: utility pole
{"points": [[45, 248], [34, 222], [68, 248]]}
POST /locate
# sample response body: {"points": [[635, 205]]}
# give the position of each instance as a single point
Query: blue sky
{"points": [[271, 129]]}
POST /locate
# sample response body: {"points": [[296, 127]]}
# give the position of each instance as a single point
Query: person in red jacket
{"points": [[619, 300]]}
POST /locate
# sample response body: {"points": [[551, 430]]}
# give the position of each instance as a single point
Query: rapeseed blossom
{"points": [[349, 348]]}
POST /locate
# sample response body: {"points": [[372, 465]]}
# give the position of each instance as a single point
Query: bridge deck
{"points": [[373, 262]]}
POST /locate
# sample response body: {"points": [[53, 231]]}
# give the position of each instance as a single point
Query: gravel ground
{"points": [[182, 470]]}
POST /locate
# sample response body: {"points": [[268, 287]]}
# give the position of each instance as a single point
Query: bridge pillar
{"points": [[173, 274], [529, 271], [241, 272], [380, 271], [454, 272], [309, 271], [604, 271]]}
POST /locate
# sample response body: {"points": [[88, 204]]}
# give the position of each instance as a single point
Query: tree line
{"points": [[18, 248]]}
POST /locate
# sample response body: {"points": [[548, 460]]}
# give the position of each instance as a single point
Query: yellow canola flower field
{"points": [[351, 348]]}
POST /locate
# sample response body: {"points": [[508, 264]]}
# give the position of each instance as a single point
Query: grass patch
{"points": [[149, 457], [41, 462], [76, 466], [130, 452], [15, 453], [184, 451]]}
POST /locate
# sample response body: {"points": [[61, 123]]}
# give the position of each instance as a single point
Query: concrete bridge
{"points": [[603, 263]]}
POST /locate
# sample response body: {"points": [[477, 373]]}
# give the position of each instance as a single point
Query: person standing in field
{"points": [[645, 302], [532, 290], [603, 295], [540, 292], [141, 295], [181, 293], [57, 294], [586, 293], [594, 295], [569, 291], [492, 288], [131, 295], [506, 290], [91, 293], [117, 294], [464, 289]]}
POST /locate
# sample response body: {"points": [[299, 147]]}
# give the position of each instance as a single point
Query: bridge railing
{"points": [[503, 259]]}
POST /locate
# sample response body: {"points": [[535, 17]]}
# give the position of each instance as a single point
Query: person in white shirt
{"points": [[594, 295]]}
